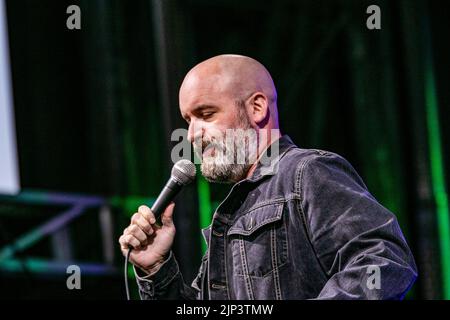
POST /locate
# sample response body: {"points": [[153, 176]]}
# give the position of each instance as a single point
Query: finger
{"points": [[147, 213], [138, 234], [167, 216], [134, 242], [124, 245], [144, 225], [134, 217], [129, 240], [126, 231]]}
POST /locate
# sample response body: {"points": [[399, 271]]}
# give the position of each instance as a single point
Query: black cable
{"points": [[127, 258]]}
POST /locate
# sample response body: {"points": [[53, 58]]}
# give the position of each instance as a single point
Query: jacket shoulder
{"points": [[297, 157], [299, 162]]}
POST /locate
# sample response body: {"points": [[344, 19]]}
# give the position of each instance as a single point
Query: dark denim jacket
{"points": [[310, 231]]}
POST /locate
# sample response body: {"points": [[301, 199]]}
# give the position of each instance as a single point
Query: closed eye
{"points": [[207, 115], [204, 112]]}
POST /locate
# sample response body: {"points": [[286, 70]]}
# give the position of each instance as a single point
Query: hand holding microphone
{"points": [[151, 242]]}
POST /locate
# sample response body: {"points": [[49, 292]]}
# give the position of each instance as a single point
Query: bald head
{"points": [[232, 74], [229, 92]]}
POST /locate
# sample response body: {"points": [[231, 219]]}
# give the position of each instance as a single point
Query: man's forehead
{"points": [[203, 90], [206, 82]]}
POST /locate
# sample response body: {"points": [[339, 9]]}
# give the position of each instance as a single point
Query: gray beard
{"points": [[222, 169]]}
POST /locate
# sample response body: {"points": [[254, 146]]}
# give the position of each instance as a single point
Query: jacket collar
{"points": [[268, 163]]}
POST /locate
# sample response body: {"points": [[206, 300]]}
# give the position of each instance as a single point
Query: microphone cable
{"points": [[127, 258]]}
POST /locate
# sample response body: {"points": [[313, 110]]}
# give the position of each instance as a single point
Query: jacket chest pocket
{"points": [[259, 242]]}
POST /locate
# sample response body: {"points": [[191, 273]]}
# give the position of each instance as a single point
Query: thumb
{"points": [[167, 216]]}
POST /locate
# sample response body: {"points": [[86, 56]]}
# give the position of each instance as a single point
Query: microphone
{"points": [[183, 173]]}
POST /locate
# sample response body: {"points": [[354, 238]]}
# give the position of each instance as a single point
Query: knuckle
{"points": [[142, 231], [151, 218], [140, 236], [143, 209], [134, 217], [149, 229], [145, 225]]}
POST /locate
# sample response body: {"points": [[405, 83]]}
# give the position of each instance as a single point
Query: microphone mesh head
{"points": [[184, 172]]}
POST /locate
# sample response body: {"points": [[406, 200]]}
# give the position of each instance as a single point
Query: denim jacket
{"points": [[309, 230]]}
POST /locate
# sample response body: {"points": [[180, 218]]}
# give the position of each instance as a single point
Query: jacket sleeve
{"points": [[167, 283], [357, 241]]}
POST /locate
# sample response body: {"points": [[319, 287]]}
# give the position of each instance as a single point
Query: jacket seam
{"points": [[299, 183]]}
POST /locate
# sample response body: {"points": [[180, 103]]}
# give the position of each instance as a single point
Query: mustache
{"points": [[201, 145]]}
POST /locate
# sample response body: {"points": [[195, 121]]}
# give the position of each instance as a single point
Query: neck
{"points": [[264, 141]]}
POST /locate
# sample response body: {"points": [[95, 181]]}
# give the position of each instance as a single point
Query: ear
{"points": [[259, 108]]}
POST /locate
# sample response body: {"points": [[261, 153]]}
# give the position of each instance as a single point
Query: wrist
{"points": [[151, 270]]}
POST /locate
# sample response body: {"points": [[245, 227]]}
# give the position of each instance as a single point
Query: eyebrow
{"points": [[203, 107]]}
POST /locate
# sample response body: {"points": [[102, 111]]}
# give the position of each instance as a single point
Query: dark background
{"points": [[95, 108]]}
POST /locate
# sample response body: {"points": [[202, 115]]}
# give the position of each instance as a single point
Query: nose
{"points": [[194, 131]]}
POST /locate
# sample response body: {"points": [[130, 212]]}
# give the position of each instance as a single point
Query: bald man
{"points": [[308, 229]]}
